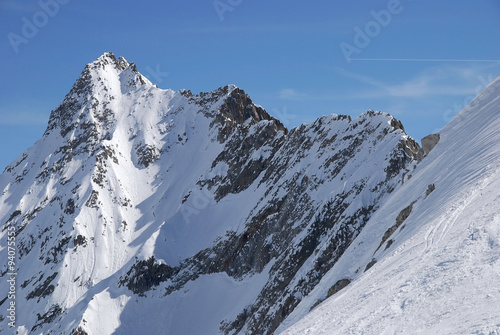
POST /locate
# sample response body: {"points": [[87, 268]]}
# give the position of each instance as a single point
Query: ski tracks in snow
{"points": [[438, 232]]}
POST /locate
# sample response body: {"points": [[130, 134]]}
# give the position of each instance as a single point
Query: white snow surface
{"points": [[442, 273]]}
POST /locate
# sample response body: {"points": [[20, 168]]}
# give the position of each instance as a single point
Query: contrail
{"points": [[424, 60]]}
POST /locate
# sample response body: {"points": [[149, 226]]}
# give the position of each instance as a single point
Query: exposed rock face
{"points": [[402, 216], [429, 142], [430, 189], [238, 107], [339, 285], [159, 191]]}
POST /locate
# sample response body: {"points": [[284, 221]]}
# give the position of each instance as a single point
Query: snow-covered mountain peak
{"points": [[96, 93], [109, 89], [109, 59], [107, 69]]}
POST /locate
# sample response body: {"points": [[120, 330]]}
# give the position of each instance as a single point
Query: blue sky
{"points": [[289, 56]]}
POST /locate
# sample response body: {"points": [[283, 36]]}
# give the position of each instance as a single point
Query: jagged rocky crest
{"points": [[137, 197]]}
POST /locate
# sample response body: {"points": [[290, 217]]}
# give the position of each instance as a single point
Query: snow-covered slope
{"points": [[441, 272]]}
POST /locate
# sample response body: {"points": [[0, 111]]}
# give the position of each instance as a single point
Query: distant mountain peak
{"points": [[109, 58], [100, 82]]}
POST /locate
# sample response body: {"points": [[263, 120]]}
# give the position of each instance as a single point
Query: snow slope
{"points": [[441, 275]]}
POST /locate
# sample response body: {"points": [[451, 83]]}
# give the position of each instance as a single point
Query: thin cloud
{"points": [[292, 94], [432, 83], [360, 78], [11, 118], [435, 81], [261, 28], [15, 5]]}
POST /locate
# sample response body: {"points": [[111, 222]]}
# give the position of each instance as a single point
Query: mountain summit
{"points": [[160, 211]]}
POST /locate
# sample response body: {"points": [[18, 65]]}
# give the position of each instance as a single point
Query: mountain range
{"points": [[144, 210]]}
